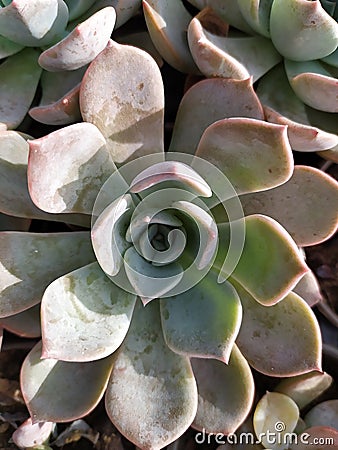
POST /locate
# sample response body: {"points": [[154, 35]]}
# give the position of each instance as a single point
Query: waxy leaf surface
{"points": [[79, 386], [28, 257], [84, 316], [151, 396], [259, 339], [225, 393], [203, 321], [127, 110]]}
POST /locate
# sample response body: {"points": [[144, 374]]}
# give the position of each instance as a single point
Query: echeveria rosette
{"points": [[289, 47], [51, 42], [167, 355]]}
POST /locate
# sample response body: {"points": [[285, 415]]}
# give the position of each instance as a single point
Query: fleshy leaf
{"points": [[128, 114], [257, 14], [151, 396], [84, 316], [82, 45], [19, 76], [252, 154], [275, 415], [171, 171], [25, 323], [203, 321], [26, 256], [32, 434], [227, 10], [147, 280], [303, 389], [311, 32], [281, 105], [167, 24], [225, 393], [207, 231], [82, 163], [8, 48], [306, 205], [313, 84], [235, 57], [259, 339], [308, 288], [324, 414], [79, 386], [15, 199], [270, 264], [34, 23], [59, 104], [108, 235], [143, 41], [78, 7], [208, 101]]}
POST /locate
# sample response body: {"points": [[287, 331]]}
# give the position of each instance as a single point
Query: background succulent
{"points": [[173, 362], [297, 413], [296, 76], [51, 42]]}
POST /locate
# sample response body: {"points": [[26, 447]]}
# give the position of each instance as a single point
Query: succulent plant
{"points": [[291, 416], [288, 47], [190, 272], [51, 41]]}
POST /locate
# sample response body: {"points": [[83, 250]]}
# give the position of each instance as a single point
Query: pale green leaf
{"points": [[203, 321], [279, 340], [151, 396], [85, 316], [128, 113], [57, 391]]}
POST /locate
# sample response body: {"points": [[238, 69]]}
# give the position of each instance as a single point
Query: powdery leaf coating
{"points": [[313, 84], [19, 78], [303, 389], [151, 396], [79, 158], [32, 434], [238, 58], [24, 255], [208, 101], [309, 193], [59, 104], [171, 171], [34, 23], [203, 321], [311, 32], [225, 393], [85, 316], [82, 45], [167, 24], [41, 379], [127, 110], [252, 154], [260, 340], [228, 10], [15, 199], [281, 105], [108, 240]]}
